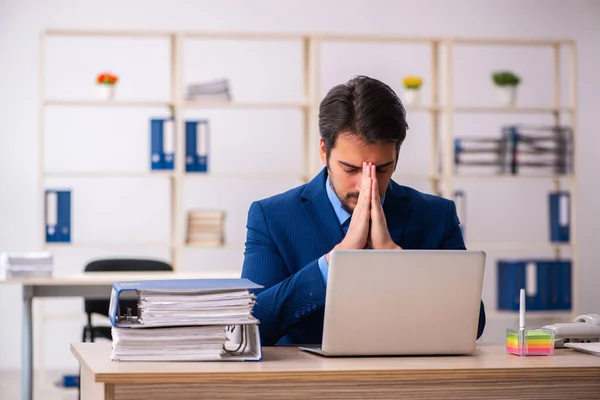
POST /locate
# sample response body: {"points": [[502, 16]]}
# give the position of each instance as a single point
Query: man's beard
{"points": [[344, 199]]}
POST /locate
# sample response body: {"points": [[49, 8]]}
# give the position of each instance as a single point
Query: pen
{"points": [[522, 310], [522, 322]]}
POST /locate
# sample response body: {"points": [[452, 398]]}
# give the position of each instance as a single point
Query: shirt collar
{"points": [[340, 212]]}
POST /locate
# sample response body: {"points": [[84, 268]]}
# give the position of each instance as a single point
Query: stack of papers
{"points": [[217, 90], [27, 264], [164, 309], [169, 344], [181, 320], [590, 348]]}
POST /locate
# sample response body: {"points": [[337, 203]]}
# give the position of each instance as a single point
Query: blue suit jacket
{"points": [[287, 233]]}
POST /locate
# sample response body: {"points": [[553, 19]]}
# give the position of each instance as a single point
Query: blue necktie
{"points": [[346, 225]]}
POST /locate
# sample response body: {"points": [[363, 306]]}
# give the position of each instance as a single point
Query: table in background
{"points": [[288, 373], [91, 285]]}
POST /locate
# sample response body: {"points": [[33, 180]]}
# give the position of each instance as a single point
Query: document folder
{"points": [[243, 344], [58, 216], [197, 145], [214, 313], [559, 210], [547, 284], [171, 286]]}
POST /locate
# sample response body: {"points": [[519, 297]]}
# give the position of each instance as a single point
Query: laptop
{"points": [[407, 302]]}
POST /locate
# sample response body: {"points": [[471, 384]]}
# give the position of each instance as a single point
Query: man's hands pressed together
{"points": [[379, 236], [358, 231], [368, 226]]}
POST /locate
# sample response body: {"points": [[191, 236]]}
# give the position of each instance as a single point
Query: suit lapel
{"points": [[396, 209], [320, 211]]}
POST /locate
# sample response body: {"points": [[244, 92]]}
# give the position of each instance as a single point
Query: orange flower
{"points": [[107, 79]]}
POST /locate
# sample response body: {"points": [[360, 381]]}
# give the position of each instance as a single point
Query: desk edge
{"points": [[355, 375]]}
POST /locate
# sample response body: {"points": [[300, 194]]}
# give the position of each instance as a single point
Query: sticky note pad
{"points": [[533, 342]]}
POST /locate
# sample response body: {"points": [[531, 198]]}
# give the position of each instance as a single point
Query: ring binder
{"points": [[184, 320], [243, 342]]}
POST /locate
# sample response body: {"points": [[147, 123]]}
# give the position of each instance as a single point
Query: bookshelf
{"points": [[440, 110]]}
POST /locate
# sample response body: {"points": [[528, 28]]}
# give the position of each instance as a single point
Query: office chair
{"points": [[101, 306]]}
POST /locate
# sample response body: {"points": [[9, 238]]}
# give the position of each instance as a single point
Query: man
{"points": [[351, 204]]}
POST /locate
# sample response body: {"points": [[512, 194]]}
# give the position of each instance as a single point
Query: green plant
{"points": [[505, 78]]}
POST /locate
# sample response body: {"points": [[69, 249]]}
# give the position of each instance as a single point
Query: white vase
{"points": [[105, 92], [507, 95], [412, 97]]}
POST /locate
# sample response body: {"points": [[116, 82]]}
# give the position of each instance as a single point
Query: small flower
{"points": [[412, 82], [107, 78]]}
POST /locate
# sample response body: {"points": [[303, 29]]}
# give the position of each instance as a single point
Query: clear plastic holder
{"points": [[530, 342]]}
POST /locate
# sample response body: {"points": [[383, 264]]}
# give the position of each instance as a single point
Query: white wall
{"points": [[20, 23]]}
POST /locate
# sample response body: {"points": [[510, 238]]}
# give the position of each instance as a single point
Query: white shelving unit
{"points": [[441, 111], [559, 182]]}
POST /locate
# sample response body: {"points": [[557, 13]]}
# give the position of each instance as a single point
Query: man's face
{"points": [[345, 166]]}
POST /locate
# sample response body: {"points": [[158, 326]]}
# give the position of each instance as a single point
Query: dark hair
{"points": [[364, 107]]}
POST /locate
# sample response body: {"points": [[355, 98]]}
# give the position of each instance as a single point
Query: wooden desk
{"points": [[288, 373], [92, 285]]}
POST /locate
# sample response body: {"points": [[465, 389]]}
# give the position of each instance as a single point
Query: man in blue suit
{"points": [[351, 204]]}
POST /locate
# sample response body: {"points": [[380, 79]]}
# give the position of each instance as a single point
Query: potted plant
{"points": [[506, 83], [412, 86], [106, 85]]}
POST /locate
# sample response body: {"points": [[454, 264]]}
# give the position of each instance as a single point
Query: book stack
{"points": [[206, 228], [27, 264], [185, 320], [217, 90]]}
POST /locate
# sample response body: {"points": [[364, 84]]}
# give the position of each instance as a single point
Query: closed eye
{"points": [[352, 169], [355, 170]]}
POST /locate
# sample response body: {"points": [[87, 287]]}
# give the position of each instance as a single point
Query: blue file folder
{"points": [[58, 216], [190, 146], [547, 283], [197, 145], [511, 137], [560, 216], [162, 144]]}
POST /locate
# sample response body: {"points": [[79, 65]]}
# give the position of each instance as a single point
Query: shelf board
{"points": [[235, 105], [509, 42], [399, 176], [218, 175], [107, 32], [170, 174], [509, 110], [107, 103], [303, 35], [518, 246], [107, 174], [510, 177], [99, 245], [423, 108], [417, 107], [226, 247]]}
